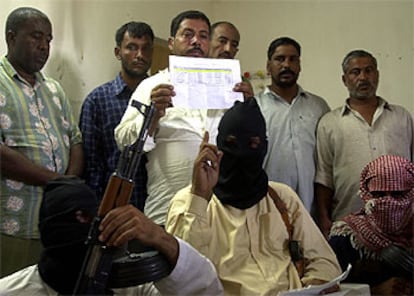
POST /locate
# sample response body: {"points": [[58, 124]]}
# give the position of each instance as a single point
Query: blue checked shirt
{"points": [[101, 112]]}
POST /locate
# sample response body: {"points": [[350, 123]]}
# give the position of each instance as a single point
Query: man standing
{"points": [[291, 115], [351, 136], [225, 39], [40, 139], [103, 108], [176, 133]]}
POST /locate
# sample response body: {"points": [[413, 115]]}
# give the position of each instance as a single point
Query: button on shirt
{"points": [[172, 150], [346, 143], [291, 130], [36, 121]]}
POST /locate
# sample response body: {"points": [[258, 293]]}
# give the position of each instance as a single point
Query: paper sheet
{"points": [[204, 83], [315, 290]]}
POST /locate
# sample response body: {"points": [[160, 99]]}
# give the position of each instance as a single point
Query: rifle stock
{"points": [[96, 269]]}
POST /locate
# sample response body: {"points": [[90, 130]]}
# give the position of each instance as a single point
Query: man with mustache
{"points": [[103, 108], [40, 139], [225, 39], [351, 136], [176, 133], [291, 115]]}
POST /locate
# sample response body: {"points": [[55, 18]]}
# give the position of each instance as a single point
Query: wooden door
{"points": [[160, 57]]}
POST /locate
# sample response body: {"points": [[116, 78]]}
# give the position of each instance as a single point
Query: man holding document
{"points": [[177, 128]]}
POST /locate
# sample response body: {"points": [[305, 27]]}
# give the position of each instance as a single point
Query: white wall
{"points": [[82, 49]]}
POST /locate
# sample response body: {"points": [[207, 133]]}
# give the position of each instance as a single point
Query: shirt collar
{"points": [[119, 85], [301, 93], [381, 104], [11, 72]]}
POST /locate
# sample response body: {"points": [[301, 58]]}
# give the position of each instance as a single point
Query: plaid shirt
{"points": [[101, 112]]}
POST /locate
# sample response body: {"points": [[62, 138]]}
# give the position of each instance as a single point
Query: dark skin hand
{"points": [[316, 282], [244, 87], [206, 169], [16, 166], [162, 95], [126, 223]]}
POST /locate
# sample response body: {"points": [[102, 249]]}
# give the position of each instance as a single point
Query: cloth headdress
{"points": [[387, 190]]}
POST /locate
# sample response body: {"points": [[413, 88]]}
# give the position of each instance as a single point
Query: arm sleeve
{"points": [[127, 131], [75, 136], [188, 219], [194, 274], [324, 154], [92, 146], [320, 260]]}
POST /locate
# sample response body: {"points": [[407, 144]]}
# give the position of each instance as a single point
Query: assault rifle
{"points": [[109, 267]]}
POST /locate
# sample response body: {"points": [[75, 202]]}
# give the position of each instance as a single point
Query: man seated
{"points": [[378, 240], [67, 208], [230, 213]]}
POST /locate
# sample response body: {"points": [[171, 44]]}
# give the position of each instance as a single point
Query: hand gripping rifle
{"points": [[109, 267]]}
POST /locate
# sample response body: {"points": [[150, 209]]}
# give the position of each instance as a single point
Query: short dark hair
{"points": [[189, 14], [358, 53], [282, 41], [20, 15], [135, 29], [215, 25]]}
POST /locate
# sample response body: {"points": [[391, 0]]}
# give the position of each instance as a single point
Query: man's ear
{"points": [[116, 52], [343, 79], [10, 37], [171, 43]]}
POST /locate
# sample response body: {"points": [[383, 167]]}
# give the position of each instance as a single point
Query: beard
{"points": [[137, 73], [285, 83]]}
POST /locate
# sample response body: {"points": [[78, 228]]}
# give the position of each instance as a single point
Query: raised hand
{"points": [[161, 95], [206, 169], [246, 88]]}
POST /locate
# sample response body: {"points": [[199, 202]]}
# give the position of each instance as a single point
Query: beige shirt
{"points": [[346, 143], [249, 247]]}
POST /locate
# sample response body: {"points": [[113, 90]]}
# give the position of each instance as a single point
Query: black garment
{"points": [[67, 208], [371, 271], [242, 138]]}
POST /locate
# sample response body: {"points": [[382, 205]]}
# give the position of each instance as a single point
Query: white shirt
{"points": [[291, 132], [193, 274], [172, 150]]}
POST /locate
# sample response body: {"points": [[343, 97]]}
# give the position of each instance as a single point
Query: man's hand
{"points": [[206, 169], [325, 225], [126, 223], [244, 87], [161, 95]]}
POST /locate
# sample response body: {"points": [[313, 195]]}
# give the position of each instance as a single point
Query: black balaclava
{"points": [[242, 181], [63, 232]]}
